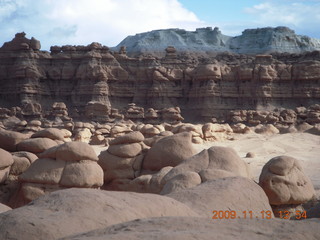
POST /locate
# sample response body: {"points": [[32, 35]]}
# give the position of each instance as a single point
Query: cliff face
{"points": [[210, 41], [91, 77]]}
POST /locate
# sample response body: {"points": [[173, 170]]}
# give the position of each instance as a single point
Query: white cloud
{"points": [[59, 22], [303, 16]]}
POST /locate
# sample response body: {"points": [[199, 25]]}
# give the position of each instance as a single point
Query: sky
{"points": [[81, 22]]}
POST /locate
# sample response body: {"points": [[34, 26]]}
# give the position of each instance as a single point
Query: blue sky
{"points": [[80, 22]]}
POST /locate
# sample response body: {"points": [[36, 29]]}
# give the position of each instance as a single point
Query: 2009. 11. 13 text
{"points": [[230, 214]]}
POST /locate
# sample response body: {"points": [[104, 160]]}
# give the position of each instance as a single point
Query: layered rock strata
{"points": [[97, 83]]}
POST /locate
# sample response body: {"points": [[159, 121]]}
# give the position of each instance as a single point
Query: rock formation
{"points": [[208, 40], [286, 185], [68, 165], [95, 83]]}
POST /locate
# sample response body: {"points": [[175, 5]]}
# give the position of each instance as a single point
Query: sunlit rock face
{"points": [[208, 40], [94, 82]]}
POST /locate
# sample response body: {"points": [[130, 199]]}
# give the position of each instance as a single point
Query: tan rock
{"points": [[76, 151], [97, 140], [215, 162], [201, 228], [36, 145], [284, 181], [49, 153], [4, 208], [169, 151], [125, 150], [9, 139], [85, 173], [83, 135], [52, 133], [116, 167], [181, 181], [98, 208], [20, 165], [267, 129], [6, 159], [225, 194], [132, 137], [44, 171]]}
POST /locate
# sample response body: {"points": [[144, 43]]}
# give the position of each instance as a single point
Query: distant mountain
{"points": [[208, 40]]}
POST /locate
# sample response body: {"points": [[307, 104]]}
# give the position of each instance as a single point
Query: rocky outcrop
{"points": [[95, 83], [72, 164], [208, 40]]}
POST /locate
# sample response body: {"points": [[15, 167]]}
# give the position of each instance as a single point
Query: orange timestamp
{"points": [[230, 214]]}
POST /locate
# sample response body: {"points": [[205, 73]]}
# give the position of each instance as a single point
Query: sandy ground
{"points": [[302, 146]]}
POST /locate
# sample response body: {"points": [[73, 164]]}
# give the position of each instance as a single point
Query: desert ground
{"points": [[181, 208]]}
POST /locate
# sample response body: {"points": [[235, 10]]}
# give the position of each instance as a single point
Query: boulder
{"points": [[52, 133], [190, 228], [71, 164], [169, 151], [86, 174], [125, 150], [71, 211], [6, 161], [82, 135], [44, 171], [75, 151], [268, 129], [225, 194], [181, 181], [215, 162], [36, 145], [10, 139], [284, 181], [116, 167], [22, 161], [216, 132]]}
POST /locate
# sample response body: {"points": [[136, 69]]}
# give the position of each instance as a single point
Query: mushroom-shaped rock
{"points": [[10, 139], [182, 181], [225, 194], [123, 157], [86, 173], [71, 164], [216, 132], [76, 151], [36, 145], [22, 161], [132, 137], [116, 167], [76, 210], [284, 181], [6, 161], [44, 171], [125, 150], [169, 151], [215, 162], [52, 133]]}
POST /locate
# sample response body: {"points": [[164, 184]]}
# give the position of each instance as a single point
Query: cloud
{"points": [[60, 22], [303, 16]]}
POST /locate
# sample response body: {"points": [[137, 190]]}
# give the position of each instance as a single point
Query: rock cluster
{"points": [[209, 164], [72, 164], [123, 158]]}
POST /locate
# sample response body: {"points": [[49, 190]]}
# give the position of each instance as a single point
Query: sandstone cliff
{"points": [[94, 81]]}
